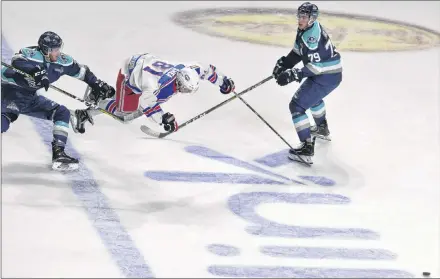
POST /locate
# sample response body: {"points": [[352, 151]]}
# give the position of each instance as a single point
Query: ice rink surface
{"points": [[219, 198]]}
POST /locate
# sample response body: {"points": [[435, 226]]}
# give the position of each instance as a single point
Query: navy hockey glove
{"points": [[169, 122], [101, 91], [40, 77], [290, 75], [280, 67], [228, 85]]}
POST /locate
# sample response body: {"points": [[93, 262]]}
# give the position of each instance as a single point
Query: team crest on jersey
{"points": [[312, 40], [63, 58], [31, 52]]}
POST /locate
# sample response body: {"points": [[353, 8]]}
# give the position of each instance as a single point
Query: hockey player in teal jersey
{"points": [[46, 64], [323, 70]]}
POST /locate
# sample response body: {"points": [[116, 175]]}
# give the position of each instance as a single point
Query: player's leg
{"points": [[7, 119], [318, 110], [124, 102], [8, 116], [298, 106], [44, 108], [10, 107], [320, 129], [309, 95]]}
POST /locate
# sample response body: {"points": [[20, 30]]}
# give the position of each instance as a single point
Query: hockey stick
{"points": [[153, 133], [268, 125], [120, 119]]}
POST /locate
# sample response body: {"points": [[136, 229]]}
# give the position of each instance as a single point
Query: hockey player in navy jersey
{"points": [[46, 64], [323, 70]]}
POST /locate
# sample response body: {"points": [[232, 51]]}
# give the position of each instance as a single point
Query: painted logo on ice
{"points": [[244, 205]]}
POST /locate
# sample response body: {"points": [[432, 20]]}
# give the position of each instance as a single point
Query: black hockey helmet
{"points": [[309, 9], [48, 41]]}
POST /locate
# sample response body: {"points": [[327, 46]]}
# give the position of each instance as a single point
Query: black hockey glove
{"points": [[40, 77], [281, 66], [290, 75], [101, 91], [228, 86], [169, 122]]}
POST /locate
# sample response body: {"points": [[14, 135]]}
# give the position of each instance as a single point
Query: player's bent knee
{"points": [[295, 108], [5, 123], [7, 119], [61, 113]]}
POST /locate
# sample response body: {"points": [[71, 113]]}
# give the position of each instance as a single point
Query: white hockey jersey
{"points": [[154, 78]]}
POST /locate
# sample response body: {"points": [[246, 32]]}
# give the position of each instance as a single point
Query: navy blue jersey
{"points": [[29, 58], [315, 49]]}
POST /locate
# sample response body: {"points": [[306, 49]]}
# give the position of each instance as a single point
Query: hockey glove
{"points": [[101, 91], [279, 67], [228, 86], [290, 75], [40, 77], [169, 122]]}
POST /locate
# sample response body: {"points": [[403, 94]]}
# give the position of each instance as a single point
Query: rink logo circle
{"points": [[277, 27]]}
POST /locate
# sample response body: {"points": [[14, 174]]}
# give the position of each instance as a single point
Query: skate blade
{"points": [[327, 138], [296, 158], [59, 166]]}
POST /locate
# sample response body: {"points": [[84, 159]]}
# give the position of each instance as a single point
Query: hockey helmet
{"points": [[49, 41], [310, 10], [187, 80]]}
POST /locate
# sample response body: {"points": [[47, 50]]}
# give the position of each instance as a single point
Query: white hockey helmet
{"points": [[187, 80]]}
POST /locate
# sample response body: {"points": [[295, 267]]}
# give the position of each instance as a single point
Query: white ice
{"points": [[384, 156]]}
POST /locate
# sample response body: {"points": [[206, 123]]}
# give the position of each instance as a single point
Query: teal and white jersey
{"points": [[317, 51], [29, 58]]}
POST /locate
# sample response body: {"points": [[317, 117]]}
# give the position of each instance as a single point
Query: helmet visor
{"points": [[55, 50]]}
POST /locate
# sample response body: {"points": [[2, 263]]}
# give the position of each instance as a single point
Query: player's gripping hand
{"points": [[279, 67], [100, 91], [228, 86], [40, 77], [290, 75], [169, 122]]}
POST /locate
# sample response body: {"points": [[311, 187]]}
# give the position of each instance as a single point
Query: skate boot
{"points": [[61, 161], [78, 119], [321, 131], [306, 151]]}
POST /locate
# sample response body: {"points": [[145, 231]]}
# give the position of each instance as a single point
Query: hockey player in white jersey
{"points": [[146, 81]]}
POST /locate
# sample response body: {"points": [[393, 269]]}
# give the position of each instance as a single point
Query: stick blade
{"points": [[153, 133]]}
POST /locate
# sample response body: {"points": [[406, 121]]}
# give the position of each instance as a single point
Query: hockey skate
{"points": [[321, 131], [305, 151], [78, 119], [61, 161]]}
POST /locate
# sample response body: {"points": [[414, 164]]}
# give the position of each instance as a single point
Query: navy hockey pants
{"points": [[16, 102], [310, 96]]}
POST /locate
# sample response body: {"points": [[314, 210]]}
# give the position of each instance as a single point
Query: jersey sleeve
{"points": [[74, 69], [23, 63], [150, 105], [293, 57], [323, 58], [208, 72]]}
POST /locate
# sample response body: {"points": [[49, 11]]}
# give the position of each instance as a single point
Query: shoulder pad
{"points": [[312, 36], [65, 60], [32, 54]]}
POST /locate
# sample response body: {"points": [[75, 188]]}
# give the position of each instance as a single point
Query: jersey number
{"points": [[330, 46], [158, 65], [314, 57]]}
